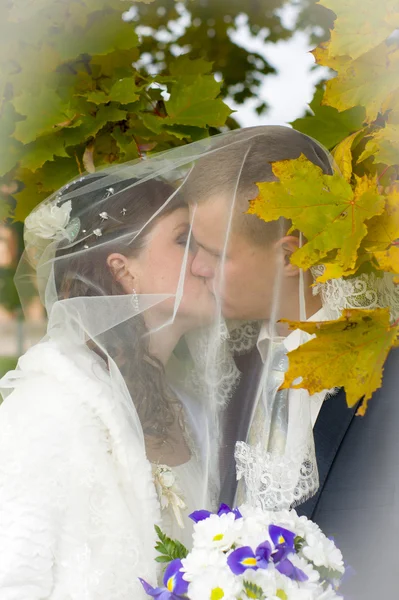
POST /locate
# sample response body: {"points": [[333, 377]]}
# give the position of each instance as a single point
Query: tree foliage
{"points": [[71, 99], [208, 32], [350, 220], [80, 88], [211, 31]]}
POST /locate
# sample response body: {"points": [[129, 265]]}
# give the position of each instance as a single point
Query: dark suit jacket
{"points": [[358, 501], [358, 459]]}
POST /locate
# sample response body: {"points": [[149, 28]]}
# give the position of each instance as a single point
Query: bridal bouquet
{"points": [[250, 554]]}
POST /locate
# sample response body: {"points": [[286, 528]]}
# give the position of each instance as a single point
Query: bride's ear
{"points": [[121, 270]]}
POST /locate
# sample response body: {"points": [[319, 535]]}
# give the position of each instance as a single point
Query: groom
{"points": [[358, 458]]}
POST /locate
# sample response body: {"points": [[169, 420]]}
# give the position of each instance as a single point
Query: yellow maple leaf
{"points": [[349, 352], [323, 58], [383, 145], [366, 81], [391, 104], [388, 260], [324, 208], [383, 229], [343, 154], [359, 27]]}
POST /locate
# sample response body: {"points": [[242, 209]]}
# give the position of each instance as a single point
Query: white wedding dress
{"points": [[77, 499]]}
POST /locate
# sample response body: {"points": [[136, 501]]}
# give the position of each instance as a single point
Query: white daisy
{"points": [[328, 594], [323, 552], [217, 532], [215, 584], [200, 559]]}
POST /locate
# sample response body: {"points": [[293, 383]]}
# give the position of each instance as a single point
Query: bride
{"points": [[109, 425]]}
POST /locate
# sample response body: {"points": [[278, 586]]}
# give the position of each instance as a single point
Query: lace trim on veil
{"points": [[215, 375], [367, 290], [243, 336]]}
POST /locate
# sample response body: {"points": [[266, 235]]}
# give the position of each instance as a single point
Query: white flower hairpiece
{"points": [[52, 222]]}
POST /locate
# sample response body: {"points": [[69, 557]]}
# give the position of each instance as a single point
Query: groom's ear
{"points": [[287, 246]]}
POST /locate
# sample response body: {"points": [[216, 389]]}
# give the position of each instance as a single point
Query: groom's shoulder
{"points": [[390, 372]]}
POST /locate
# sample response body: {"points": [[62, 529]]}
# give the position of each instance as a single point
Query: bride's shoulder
{"points": [[50, 380]]}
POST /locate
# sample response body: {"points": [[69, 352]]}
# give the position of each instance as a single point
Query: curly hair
{"points": [[87, 274]]}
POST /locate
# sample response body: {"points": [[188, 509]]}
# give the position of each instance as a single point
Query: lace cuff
{"points": [[273, 481]]}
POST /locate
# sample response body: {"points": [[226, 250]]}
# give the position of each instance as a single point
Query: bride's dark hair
{"points": [[129, 206]]}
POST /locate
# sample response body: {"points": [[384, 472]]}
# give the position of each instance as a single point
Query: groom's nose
{"points": [[200, 267]]}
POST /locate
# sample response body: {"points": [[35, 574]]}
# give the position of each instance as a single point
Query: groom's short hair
{"points": [[247, 159]]}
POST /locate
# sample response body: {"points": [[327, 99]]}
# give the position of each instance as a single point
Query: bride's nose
{"points": [[200, 267]]}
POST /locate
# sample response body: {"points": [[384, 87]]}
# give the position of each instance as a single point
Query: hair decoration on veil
{"points": [[52, 222]]}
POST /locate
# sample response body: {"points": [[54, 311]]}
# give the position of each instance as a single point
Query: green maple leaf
{"points": [[126, 143], [103, 36], [41, 150], [43, 113], [152, 122], [56, 173], [91, 125], [31, 194], [10, 153], [10, 149], [183, 66], [196, 103], [327, 124], [124, 91], [324, 208]]}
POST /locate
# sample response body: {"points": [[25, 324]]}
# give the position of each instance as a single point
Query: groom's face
{"points": [[234, 267]]}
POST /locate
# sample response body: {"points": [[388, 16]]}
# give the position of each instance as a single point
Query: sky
{"points": [[289, 92]]}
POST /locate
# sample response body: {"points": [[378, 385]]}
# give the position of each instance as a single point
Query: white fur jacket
{"points": [[77, 500]]}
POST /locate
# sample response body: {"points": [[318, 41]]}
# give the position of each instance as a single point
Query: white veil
{"points": [[186, 405]]}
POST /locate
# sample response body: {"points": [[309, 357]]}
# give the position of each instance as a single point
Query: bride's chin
{"points": [[199, 318]]}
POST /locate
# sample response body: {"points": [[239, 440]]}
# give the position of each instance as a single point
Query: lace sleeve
{"points": [[33, 474]]}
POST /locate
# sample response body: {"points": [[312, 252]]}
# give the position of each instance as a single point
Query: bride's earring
{"points": [[135, 301]]}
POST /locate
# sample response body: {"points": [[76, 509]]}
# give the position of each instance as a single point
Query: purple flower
{"points": [[175, 586], [245, 558], [242, 559], [263, 553], [224, 509], [201, 515], [285, 567], [280, 536], [283, 541]]}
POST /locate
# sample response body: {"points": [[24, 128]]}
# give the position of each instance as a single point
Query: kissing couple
{"points": [[155, 391]]}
